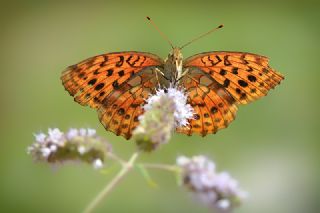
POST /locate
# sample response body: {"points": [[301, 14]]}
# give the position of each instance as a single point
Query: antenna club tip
{"points": [[221, 26], [148, 18]]}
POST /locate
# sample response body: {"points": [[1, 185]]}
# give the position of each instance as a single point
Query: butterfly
{"points": [[117, 85]]}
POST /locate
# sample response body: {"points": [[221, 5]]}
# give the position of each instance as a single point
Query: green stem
{"points": [[126, 167], [170, 168], [116, 158]]}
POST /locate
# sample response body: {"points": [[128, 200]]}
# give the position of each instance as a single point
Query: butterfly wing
{"points": [[245, 76], [116, 84], [120, 110], [214, 107], [93, 79]]}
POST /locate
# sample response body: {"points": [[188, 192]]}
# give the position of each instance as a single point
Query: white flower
{"points": [[82, 132], [164, 112], [55, 135], [207, 198], [195, 181], [182, 161], [53, 148], [82, 150], [72, 133], [219, 190], [206, 179], [61, 147], [183, 111], [97, 164], [91, 132], [40, 137], [199, 162], [223, 204], [225, 184], [45, 152]]}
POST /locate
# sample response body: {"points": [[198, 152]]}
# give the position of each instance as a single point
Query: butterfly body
{"points": [[117, 85], [173, 66]]}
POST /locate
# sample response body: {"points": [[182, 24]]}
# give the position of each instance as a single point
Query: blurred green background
{"points": [[272, 147]]}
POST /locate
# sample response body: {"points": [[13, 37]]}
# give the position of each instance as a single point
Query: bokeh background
{"points": [[272, 147]]}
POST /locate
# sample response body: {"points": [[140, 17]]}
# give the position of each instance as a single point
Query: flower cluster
{"points": [[217, 190], [74, 145], [179, 107], [164, 111]]}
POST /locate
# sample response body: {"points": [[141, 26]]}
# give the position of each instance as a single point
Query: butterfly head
{"points": [[175, 56]]}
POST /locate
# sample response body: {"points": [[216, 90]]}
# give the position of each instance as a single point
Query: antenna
{"points": [[202, 35], [162, 34]]}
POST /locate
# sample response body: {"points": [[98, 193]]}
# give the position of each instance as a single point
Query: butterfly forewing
{"points": [[93, 79], [245, 76], [116, 84]]}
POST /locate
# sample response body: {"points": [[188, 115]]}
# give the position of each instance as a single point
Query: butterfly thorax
{"points": [[173, 69]]}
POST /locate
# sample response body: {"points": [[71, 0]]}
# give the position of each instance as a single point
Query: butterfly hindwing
{"points": [[120, 110], [214, 107], [93, 79], [245, 76]]}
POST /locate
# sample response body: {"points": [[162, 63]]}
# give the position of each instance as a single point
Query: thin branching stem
{"points": [[126, 167], [171, 168], [115, 157]]}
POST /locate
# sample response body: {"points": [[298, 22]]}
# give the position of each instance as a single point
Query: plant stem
{"points": [[116, 158], [126, 167], [171, 168]]}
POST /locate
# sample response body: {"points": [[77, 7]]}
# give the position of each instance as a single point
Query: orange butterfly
{"points": [[117, 85]]}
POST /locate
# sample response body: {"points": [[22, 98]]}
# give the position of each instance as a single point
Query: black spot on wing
{"points": [[120, 62]]}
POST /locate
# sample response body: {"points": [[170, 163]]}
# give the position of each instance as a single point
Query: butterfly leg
{"points": [[183, 74], [162, 80], [156, 71]]}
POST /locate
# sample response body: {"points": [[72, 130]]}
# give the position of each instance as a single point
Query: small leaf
{"points": [[147, 176]]}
